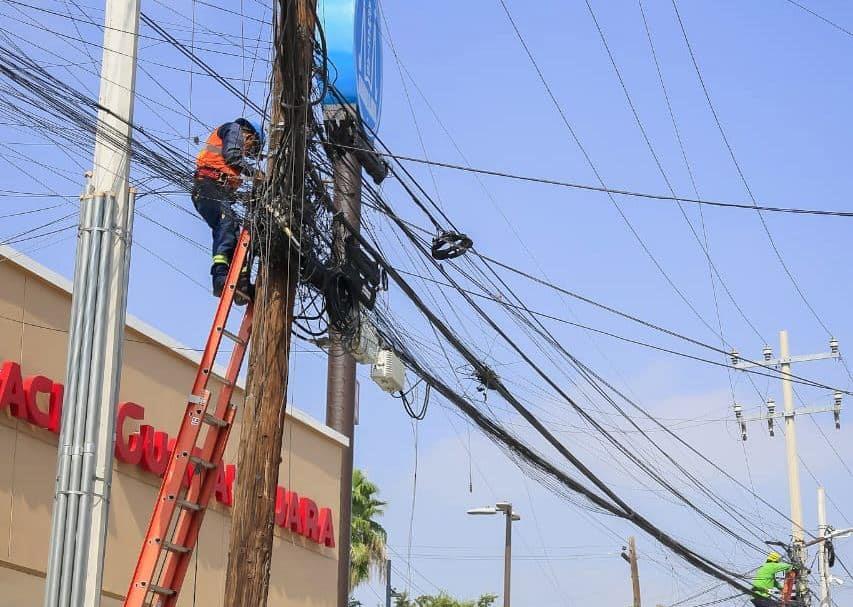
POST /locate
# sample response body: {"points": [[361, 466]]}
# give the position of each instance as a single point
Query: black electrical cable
{"points": [[618, 506], [587, 187], [636, 342]]}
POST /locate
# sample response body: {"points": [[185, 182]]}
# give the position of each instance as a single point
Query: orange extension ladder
{"points": [[179, 511]]}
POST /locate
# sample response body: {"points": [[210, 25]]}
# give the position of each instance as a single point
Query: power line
{"points": [[821, 17], [411, 236], [603, 332], [603, 189], [631, 317], [741, 174], [617, 507]]}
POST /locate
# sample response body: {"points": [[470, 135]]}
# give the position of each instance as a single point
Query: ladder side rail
{"points": [[189, 523], [788, 587], [186, 440]]}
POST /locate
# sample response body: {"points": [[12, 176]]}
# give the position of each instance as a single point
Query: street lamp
{"points": [[510, 516]]}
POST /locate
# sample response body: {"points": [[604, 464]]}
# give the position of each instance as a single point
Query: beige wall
{"points": [[34, 311]]}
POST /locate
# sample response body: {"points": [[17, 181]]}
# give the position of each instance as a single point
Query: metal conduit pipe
{"points": [[81, 269]]}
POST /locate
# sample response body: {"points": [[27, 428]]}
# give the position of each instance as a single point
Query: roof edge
{"points": [[62, 283]]}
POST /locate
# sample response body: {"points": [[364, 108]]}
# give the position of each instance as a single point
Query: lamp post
{"points": [[510, 516]]}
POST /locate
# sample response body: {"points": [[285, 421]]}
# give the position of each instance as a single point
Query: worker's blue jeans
{"points": [[213, 203]]}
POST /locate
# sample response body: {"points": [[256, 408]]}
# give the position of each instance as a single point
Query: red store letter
{"points": [[327, 528], [12, 390], [224, 488], [308, 513], [130, 450], [292, 520], [155, 450], [56, 399], [33, 386], [280, 506]]}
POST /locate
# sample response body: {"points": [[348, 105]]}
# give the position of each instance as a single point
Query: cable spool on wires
{"points": [[448, 244]]}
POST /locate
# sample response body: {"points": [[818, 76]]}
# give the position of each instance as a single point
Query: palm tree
{"points": [[442, 600], [367, 544]]}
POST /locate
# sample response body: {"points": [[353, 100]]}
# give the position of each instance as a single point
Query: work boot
{"points": [[245, 290], [219, 272]]}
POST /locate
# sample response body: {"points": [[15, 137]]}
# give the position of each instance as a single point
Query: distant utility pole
{"points": [[96, 335], [631, 558], [825, 539], [253, 515], [784, 363], [389, 592], [823, 556]]}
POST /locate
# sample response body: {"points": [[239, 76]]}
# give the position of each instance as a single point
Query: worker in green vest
{"points": [[765, 580]]}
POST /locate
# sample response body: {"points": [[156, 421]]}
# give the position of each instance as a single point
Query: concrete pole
{"points": [[341, 385], [791, 444], [84, 468], [635, 570], [823, 561], [508, 556]]}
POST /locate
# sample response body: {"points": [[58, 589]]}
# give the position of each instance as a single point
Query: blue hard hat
{"points": [[254, 126]]}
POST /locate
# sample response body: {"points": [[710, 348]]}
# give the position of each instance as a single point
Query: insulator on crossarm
{"points": [[768, 352], [833, 345], [836, 409], [739, 417], [735, 357], [771, 411]]}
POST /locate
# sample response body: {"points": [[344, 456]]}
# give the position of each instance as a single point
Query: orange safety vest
{"points": [[211, 163]]}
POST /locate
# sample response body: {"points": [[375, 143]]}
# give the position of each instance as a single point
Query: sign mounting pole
{"points": [[352, 106]]}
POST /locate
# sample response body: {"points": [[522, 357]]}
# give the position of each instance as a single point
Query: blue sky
{"points": [[779, 79]]}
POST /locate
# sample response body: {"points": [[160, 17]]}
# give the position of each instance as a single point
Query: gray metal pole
{"points": [[84, 467], [95, 391], [508, 556], [388, 590], [340, 387]]}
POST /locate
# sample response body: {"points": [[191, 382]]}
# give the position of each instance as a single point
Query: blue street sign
{"points": [[354, 45]]}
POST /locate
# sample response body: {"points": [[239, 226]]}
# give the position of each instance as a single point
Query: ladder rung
{"points": [[187, 505], [175, 548], [161, 590], [195, 459], [214, 421], [233, 337]]}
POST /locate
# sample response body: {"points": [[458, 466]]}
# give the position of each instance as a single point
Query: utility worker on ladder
{"points": [[220, 167], [765, 580]]}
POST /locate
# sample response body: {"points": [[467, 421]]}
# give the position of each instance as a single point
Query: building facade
{"points": [[35, 306]]}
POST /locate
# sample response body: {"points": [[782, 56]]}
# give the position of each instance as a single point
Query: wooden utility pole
{"points": [[635, 570], [253, 516], [341, 386]]}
